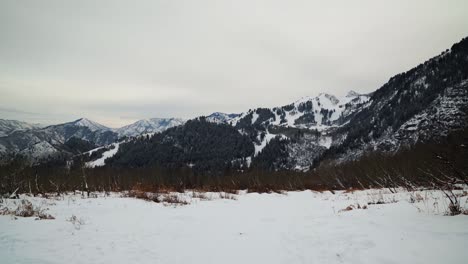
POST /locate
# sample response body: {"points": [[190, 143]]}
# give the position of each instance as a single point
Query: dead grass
{"points": [[26, 209], [352, 207], [173, 199], [147, 196], [200, 195], [229, 196], [352, 190], [77, 222]]}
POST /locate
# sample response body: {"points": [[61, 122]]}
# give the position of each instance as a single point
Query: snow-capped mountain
{"points": [[9, 126], [320, 112], [47, 142], [84, 129], [422, 105], [41, 143], [218, 117], [312, 118], [93, 126], [149, 126]]}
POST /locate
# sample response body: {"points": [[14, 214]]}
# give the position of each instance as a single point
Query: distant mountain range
{"points": [[39, 143], [148, 126], [7, 127], [423, 104]]}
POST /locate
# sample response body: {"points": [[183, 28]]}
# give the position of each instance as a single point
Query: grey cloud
{"points": [[107, 59]]}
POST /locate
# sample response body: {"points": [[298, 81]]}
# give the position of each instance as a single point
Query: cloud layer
{"points": [[118, 61]]}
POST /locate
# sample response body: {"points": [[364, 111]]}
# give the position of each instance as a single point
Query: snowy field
{"points": [[294, 227]]}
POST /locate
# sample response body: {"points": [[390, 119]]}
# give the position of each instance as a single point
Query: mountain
{"points": [[84, 129], [218, 117], [148, 126], [201, 145], [52, 141], [64, 140], [424, 104], [307, 124], [305, 121], [319, 113], [9, 126], [93, 126]]}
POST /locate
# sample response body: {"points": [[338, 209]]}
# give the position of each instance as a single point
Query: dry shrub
{"points": [[173, 199], [454, 209], [229, 196], [416, 198], [4, 211], [26, 209], [352, 207], [137, 194], [147, 196], [77, 222], [200, 195], [349, 208], [44, 216], [352, 190], [231, 191], [264, 189]]}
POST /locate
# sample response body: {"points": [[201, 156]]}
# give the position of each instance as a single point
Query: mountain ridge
{"points": [[422, 104]]}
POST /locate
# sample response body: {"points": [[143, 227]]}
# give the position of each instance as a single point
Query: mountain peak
{"points": [[330, 97], [148, 126], [352, 93], [219, 117], [93, 126]]}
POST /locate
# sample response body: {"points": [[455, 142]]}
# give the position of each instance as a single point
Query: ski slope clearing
{"points": [[293, 227], [102, 160]]}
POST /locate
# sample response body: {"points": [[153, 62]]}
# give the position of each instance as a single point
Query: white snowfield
{"points": [[295, 227], [105, 155]]}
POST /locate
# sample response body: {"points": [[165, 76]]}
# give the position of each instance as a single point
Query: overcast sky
{"points": [[118, 61]]}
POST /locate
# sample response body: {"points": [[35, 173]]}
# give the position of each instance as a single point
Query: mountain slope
{"points": [[44, 143], [203, 146], [422, 104], [218, 117], [93, 126], [9, 126], [147, 126]]}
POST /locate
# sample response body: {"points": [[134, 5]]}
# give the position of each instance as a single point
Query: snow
{"points": [[93, 126], [101, 161], [352, 93], [254, 117], [39, 150], [295, 227], [325, 141], [149, 126], [8, 127], [248, 160], [264, 142], [336, 105], [219, 118]]}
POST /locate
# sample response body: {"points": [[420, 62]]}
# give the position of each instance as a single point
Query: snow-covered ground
{"points": [[295, 227], [105, 155]]}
